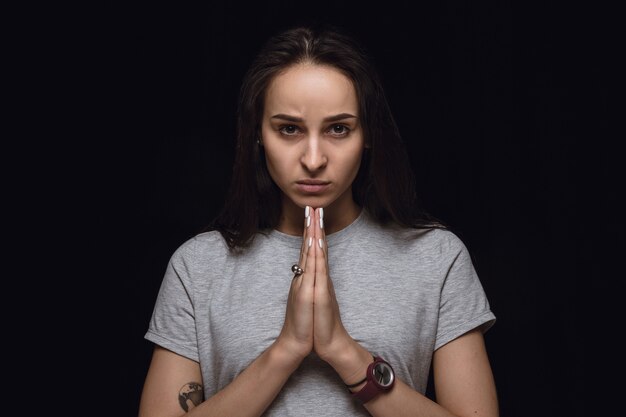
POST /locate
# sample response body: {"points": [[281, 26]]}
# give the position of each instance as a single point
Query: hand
{"points": [[297, 331], [313, 320], [330, 338]]}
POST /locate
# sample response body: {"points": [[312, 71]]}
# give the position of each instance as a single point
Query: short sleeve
{"points": [[463, 303], [172, 325]]}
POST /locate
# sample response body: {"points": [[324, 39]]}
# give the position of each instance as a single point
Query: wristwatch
{"points": [[380, 378]]}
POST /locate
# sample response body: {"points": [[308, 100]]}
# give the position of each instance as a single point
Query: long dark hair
{"points": [[384, 184]]}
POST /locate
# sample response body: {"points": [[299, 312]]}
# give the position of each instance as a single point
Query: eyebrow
{"points": [[335, 118]]}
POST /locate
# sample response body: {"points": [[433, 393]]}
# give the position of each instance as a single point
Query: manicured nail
{"points": [[321, 242], [307, 209], [321, 223], [310, 241], [321, 212], [308, 221]]}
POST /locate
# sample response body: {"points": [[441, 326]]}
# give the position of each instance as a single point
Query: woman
{"points": [[321, 289]]}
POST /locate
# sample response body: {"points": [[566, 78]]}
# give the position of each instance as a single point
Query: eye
{"points": [[288, 130], [339, 130]]}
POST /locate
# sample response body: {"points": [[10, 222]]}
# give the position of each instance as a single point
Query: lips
{"points": [[311, 186]]}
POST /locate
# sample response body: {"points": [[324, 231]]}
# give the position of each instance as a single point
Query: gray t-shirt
{"points": [[402, 293]]}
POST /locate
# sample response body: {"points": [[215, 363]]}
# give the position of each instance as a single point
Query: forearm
{"points": [[404, 401], [252, 391]]}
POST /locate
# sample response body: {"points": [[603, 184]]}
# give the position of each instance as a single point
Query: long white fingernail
{"points": [[310, 241], [307, 209], [308, 221], [321, 223], [321, 212], [321, 242]]}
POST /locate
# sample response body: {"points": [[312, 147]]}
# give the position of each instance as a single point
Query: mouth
{"points": [[311, 186]]}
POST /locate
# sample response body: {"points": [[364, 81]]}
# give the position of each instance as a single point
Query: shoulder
{"points": [[443, 242], [201, 248], [427, 241]]}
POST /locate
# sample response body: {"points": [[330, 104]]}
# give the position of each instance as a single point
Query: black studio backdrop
{"points": [[485, 98]]}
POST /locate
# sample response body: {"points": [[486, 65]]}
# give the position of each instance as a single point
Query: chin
{"points": [[313, 201]]}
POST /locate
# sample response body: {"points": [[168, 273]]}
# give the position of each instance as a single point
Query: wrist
{"points": [[284, 355], [357, 386], [350, 363]]}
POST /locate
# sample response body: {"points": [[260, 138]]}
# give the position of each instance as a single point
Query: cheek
{"points": [[277, 164], [350, 166]]}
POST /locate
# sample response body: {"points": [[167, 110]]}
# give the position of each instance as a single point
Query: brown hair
{"points": [[384, 184]]}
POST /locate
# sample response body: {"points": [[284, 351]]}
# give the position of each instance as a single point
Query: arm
{"points": [[464, 383], [258, 384], [253, 390]]}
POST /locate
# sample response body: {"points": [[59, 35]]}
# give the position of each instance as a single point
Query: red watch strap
{"points": [[368, 392]]}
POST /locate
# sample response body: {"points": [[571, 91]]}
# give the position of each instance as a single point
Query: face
{"points": [[312, 137]]}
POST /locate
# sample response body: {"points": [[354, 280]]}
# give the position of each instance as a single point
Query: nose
{"points": [[313, 157]]}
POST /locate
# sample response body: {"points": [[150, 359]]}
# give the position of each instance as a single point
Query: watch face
{"points": [[383, 374]]}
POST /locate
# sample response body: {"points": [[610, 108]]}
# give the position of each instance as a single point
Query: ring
{"points": [[297, 270]]}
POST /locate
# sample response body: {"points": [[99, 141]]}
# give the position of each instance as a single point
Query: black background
{"points": [[503, 108]]}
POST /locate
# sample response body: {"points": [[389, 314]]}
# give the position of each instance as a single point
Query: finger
{"points": [[308, 221], [308, 277], [321, 269], [323, 237], [304, 246], [305, 253]]}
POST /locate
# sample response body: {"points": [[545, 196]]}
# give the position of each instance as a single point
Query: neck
{"points": [[337, 216]]}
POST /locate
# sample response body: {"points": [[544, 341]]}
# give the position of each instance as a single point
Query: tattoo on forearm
{"points": [[190, 395]]}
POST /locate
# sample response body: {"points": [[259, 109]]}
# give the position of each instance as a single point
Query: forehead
{"points": [[311, 89]]}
